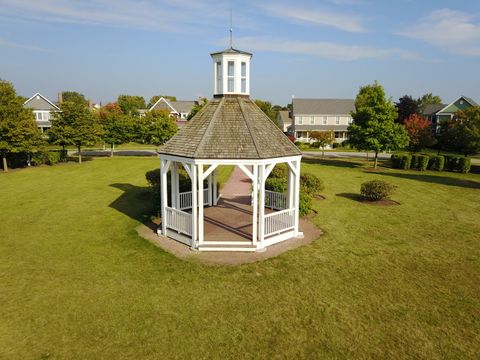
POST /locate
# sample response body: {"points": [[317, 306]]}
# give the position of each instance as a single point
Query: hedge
{"points": [[457, 163], [436, 163], [420, 162], [401, 161]]}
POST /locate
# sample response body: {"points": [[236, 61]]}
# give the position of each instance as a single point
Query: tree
{"points": [[197, 107], [407, 106], [323, 138], [117, 127], [155, 98], [266, 107], [429, 99], [161, 126], [18, 130], [374, 126], [463, 133], [75, 125], [73, 96], [130, 104], [419, 131]]}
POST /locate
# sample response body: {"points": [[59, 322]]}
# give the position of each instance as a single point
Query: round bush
{"points": [[375, 190], [311, 184], [276, 184], [279, 171]]}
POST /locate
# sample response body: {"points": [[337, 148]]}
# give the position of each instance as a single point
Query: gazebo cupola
{"points": [[231, 71]]}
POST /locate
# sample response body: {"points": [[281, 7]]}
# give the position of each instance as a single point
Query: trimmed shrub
{"points": [[304, 204], [464, 163], [401, 161], [420, 162], [279, 171], [53, 157], [335, 145], [311, 184], [436, 163], [39, 158], [276, 184], [375, 190]]}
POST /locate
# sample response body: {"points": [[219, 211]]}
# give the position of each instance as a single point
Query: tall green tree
{"points": [[73, 96], [429, 99], [161, 126], [155, 98], [117, 127], [197, 107], [407, 106], [131, 103], [463, 133], [374, 126], [266, 107], [75, 125], [18, 130]]}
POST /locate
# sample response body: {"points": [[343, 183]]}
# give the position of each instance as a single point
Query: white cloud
{"points": [[451, 30], [11, 44], [161, 15], [325, 50], [345, 22]]}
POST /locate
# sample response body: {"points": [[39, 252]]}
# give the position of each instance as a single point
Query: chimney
{"points": [[60, 98]]}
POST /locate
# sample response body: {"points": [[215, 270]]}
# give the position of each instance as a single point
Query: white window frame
{"points": [[218, 70], [325, 120], [230, 77], [243, 76], [299, 120], [312, 120], [337, 120]]}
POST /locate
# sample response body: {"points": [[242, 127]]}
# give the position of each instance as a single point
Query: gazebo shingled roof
{"points": [[231, 127]]}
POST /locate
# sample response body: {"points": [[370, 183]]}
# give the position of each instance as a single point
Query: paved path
{"points": [[237, 185]]}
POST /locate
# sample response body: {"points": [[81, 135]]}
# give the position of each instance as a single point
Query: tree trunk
{"points": [[376, 160], [79, 154], [5, 166], [367, 154], [111, 150], [323, 154]]}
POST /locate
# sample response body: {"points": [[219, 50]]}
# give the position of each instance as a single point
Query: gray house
{"points": [[321, 115], [178, 109], [42, 109], [284, 120]]}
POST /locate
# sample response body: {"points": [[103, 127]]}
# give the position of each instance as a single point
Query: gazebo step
{"points": [[227, 247]]}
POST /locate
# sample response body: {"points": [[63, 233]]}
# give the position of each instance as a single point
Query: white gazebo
{"points": [[230, 130]]}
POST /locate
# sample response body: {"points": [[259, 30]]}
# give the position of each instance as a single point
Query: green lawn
{"points": [[76, 282]]}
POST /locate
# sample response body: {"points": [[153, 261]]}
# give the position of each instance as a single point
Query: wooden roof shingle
{"points": [[230, 128]]}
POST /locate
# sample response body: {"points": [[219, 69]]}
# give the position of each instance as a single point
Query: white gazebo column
{"points": [[255, 205], [194, 204], [200, 204], [173, 185], [164, 164], [296, 195], [261, 206], [177, 187], [290, 189], [215, 196], [210, 189]]}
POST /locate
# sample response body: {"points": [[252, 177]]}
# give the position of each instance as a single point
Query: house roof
{"points": [[231, 50], [323, 106], [230, 128], [41, 104], [454, 107], [284, 116], [181, 106], [431, 109]]}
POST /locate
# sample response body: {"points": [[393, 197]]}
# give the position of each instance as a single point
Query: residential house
{"points": [[42, 109], [437, 113], [284, 120], [321, 115], [178, 109]]}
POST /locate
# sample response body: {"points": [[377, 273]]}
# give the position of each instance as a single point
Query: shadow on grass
{"points": [[333, 162], [442, 180], [351, 196], [135, 202]]}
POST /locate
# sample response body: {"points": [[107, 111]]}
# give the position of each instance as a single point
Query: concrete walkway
{"points": [[237, 185]]}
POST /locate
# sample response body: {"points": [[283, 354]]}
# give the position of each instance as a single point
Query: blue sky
{"points": [[304, 48]]}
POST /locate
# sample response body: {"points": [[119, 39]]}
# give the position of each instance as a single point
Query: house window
{"points": [[350, 120], [324, 120], [244, 77], [231, 76], [299, 120], [312, 120], [218, 70], [461, 102], [42, 115], [337, 120]]}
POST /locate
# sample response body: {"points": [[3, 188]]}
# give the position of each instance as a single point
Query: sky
{"points": [[306, 49]]}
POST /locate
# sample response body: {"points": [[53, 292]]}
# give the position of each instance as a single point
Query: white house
{"points": [[284, 120], [179, 110], [42, 109], [321, 115]]}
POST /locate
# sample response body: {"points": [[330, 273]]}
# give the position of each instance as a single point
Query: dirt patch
{"points": [[319, 197]]}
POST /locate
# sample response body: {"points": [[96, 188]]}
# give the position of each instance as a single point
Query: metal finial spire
{"points": [[231, 29]]}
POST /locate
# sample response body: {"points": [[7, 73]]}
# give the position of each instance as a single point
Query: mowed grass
{"points": [[76, 282]]}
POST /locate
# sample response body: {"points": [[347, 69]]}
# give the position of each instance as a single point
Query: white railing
{"points": [[279, 221], [275, 200], [186, 199], [179, 221]]}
